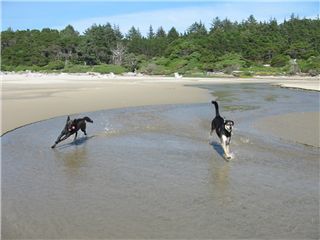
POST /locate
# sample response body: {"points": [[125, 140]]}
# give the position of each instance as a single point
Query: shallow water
{"points": [[150, 172]]}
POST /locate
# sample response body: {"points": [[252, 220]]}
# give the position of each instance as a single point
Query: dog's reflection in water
{"points": [[71, 163], [73, 155], [219, 177]]}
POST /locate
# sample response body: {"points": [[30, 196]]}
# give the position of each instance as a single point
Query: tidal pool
{"points": [[154, 172]]}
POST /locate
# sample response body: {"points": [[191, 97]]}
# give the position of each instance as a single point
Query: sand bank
{"points": [[32, 97], [296, 127], [29, 100]]}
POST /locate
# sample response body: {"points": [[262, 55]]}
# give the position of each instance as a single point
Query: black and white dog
{"points": [[223, 129], [72, 127]]}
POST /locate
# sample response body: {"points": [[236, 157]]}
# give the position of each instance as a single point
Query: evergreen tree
{"points": [[161, 33], [173, 34], [197, 29], [150, 33], [245, 43]]}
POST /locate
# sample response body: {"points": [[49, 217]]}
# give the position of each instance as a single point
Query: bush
{"points": [[231, 68], [229, 62], [162, 61], [108, 68], [263, 70], [280, 61], [176, 64], [154, 69], [311, 66], [6, 68], [33, 68], [75, 68], [55, 65]]}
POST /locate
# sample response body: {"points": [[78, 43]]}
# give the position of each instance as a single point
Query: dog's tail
{"points": [[217, 107], [88, 119]]}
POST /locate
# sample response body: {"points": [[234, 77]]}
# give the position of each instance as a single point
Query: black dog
{"points": [[72, 127], [223, 129]]}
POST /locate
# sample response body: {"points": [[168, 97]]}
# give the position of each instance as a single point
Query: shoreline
{"points": [[293, 82], [32, 97]]}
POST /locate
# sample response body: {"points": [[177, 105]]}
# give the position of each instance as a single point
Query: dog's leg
{"points": [[58, 139], [231, 155], [212, 127], [225, 147], [84, 131], [228, 150], [83, 128]]}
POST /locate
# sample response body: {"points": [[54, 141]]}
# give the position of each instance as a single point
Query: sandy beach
{"points": [[148, 168], [31, 97], [297, 127]]}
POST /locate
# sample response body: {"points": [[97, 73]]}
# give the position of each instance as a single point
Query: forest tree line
{"points": [[227, 46]]}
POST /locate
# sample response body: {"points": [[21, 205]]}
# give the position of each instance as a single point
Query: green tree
{"points": [[150, 33], [172, 35]]}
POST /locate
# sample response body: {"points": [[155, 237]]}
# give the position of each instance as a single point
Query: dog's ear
{"points": [[68, 118]]}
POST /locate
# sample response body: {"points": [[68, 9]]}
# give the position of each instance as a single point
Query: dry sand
{"points": [[31, 97], [29, 100]]}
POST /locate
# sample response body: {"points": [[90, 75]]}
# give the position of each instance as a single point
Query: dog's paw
{"points": [[229, 156]]}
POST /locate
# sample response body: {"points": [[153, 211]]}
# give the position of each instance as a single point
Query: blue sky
{"points": [[81, 14]]}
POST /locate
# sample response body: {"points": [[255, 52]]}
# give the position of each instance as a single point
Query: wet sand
{"points": [[296, 127], [154, 172], [31, 97]]}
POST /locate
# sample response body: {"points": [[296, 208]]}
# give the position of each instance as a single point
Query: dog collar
{"points": [[72, 128]]}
